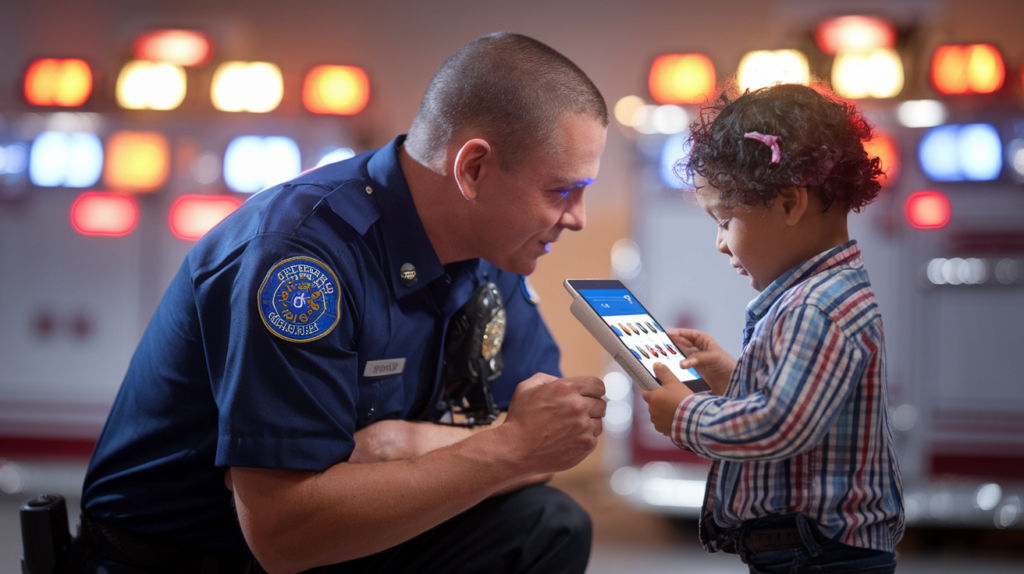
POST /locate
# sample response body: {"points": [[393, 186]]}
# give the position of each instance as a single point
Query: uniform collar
{"points": [[405, 239], [847, 254]]}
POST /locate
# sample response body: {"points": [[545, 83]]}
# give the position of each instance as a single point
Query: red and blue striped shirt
{"points": [[803, 426]]}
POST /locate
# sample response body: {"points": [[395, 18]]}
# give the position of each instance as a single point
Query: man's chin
{"points": [[517, 266]]}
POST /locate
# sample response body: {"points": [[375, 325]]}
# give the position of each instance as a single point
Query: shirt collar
{"points": [[405, 240], [845, 255]]}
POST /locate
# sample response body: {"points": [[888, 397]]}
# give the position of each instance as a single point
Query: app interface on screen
{"points": [[637, 330]]}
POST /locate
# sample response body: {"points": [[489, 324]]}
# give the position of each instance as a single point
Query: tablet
{"points": [[628, 332]]}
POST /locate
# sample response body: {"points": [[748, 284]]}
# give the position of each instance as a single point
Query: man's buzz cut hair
{"points": [[511, 88]]}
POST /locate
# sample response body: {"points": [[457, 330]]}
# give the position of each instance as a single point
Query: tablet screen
{"points": [[637, 330]]}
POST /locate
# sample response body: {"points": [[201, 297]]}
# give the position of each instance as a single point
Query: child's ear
{"points": [[793, 201]]}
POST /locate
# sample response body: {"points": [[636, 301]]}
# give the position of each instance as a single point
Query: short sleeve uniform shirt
{"points": [[319, 307]]}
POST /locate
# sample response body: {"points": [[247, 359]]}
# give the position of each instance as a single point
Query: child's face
{"points": [[756, 239]]}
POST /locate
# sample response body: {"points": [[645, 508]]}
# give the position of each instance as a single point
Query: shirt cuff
{"points": [[686, 422]]}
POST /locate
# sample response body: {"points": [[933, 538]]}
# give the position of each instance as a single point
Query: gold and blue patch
{"points": [[298, 300], [528, 291]]}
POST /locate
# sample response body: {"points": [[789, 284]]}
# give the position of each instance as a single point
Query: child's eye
{"points": [[724, 223]]}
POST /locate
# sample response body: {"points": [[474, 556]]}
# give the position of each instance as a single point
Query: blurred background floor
{"points": [[630, 540]]}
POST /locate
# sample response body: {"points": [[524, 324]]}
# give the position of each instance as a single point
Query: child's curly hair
{"points": [[820, 136]]}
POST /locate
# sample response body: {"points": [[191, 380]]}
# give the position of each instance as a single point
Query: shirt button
{"points": [[369, 189], [407, 273]]}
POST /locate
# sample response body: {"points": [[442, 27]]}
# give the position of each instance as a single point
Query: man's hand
{"points": [[663, 402], [554, 423], [704, 355]]}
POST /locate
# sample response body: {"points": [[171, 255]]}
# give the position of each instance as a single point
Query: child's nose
{"points": [[720, 243]]}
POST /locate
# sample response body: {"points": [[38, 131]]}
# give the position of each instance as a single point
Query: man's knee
{"points": [[560, 531]]}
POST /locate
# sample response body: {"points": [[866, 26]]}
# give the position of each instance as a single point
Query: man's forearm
{"points": [[315, 519]]}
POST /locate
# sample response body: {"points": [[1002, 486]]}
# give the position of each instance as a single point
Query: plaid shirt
{"points": [[803, 426]]}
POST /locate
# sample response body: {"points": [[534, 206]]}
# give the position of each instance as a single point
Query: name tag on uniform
{"points": [[384, 368]]}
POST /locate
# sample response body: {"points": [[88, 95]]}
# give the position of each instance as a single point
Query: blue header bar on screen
{"points": [[611, 302]]}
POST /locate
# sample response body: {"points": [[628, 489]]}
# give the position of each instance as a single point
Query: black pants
{"points": [[538, 529]]}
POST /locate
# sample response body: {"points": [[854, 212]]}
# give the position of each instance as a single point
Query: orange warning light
{"points": [[884, 148], [192, 216], [968, 69], [681, 78], [137, 161], [178, 47], [104, 213], [341, 90], [53, 82], [927, 210]]}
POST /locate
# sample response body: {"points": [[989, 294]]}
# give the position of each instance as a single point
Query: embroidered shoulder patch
{"points": [[528, 291], [298, 300]]}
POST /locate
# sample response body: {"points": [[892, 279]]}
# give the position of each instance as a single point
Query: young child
{"points": [[803, 475]]}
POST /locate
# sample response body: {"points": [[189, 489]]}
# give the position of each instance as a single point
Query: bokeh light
{"points": [[104, 213], [681, 79], [54, 82], [255, 87], [339, 90], [137, 161], [763, 68]]}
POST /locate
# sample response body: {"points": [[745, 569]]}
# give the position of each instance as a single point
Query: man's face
{"points": [[752, 237], [524, 211]]}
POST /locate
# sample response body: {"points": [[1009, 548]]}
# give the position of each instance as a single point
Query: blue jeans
{"points": [[817, 554]]}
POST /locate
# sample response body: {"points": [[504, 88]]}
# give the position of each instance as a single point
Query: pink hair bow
{"points": [[770, 141]]}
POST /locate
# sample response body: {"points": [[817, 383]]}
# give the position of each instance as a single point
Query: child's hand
{"points": [[663, 402], [704, 355]]}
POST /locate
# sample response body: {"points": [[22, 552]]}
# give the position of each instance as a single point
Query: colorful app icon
{"points": [[652, 327], [644, 353], [653, 352], [625, 329], [639, 324], [616, 329], [671, 349]]}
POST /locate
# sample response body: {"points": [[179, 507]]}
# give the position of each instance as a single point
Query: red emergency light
{"points": [[178, 47], [104, 213], [855, 33], [340, 90], [681, 78], [52, 82], [968, 69], [927, 210], [192, 216], [884, 148]]}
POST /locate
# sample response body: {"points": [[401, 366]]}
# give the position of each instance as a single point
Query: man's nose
{"points": [[575, 217]]}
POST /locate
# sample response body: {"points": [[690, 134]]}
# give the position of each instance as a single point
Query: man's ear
{"points": [[793, 201], [471, 165]]}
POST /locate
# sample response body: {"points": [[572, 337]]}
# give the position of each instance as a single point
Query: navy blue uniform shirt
{"points": [[257, 355]]}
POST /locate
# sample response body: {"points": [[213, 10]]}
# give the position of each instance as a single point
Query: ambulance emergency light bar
{"points": [[884, 148], [253, 163], [193, 216], [145, 85], [762, 68], [872, 73], [855, 33], [177, 47], [967, 69], [927, 210], [65, 159], [681, 79], [971, 152], [338, 90], [58, 82], [104, 213]]}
